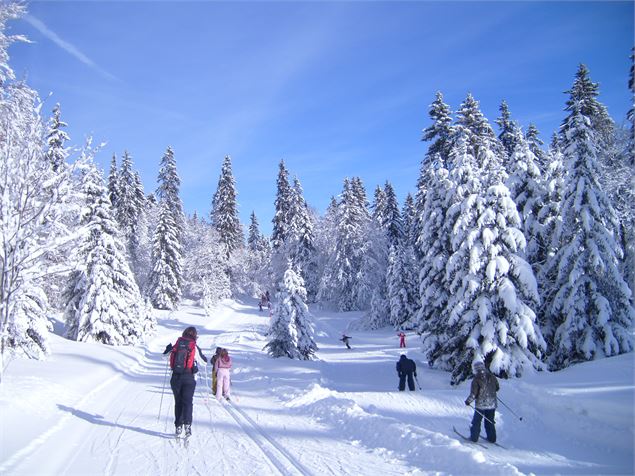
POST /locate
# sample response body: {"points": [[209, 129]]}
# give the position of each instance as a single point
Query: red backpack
{"points": [[182, 355]]}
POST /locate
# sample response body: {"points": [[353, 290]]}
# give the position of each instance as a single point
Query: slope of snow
{"points": [[93, 409]]}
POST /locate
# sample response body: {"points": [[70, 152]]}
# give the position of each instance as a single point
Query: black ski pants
{"points": [[402, 381], [183, 386], [490, 425]]}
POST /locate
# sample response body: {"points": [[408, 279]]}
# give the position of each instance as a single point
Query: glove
{"points": [[415, 374], [468, 403], [168, 348]]}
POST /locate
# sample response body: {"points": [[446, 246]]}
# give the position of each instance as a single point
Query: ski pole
{"points": [[506, 406], [477, 411], [165, 377], [419, 385]]}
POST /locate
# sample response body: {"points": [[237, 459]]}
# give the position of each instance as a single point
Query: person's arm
{"points": [[414, 366], [473, 392], [168, 349], [200, 352]]}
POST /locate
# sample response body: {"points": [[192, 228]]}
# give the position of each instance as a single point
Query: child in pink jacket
{"points": [[222, 366]]}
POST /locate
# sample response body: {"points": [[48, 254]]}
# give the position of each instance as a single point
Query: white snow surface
{"points": [[91, 409]]}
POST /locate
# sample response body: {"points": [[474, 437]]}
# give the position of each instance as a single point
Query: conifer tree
{"points": [[165, 282], [225, 211], [532, 137], [492, 289], [169, 186], [524, 183], [104, 302], [508, 130], [56, 137], [402, 288], [392, 218], [589, 305], [432, 237], [291, 331], [283, 206], [113, 183], [408, 215]]}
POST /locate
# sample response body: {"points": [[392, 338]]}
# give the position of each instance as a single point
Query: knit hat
{"points": [[478, 366]]}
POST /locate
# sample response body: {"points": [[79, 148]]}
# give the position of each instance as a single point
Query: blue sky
{"points": [[335, 89]]}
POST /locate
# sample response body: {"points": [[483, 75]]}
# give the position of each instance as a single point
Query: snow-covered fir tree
{"points": [[169, 187], [129, 211], [168, 193], [392, 222], [439, 134], [535, 143], [432, 240], [509, 130], [589, 310], [325, 233], [401, 281], [56, 137], [492, 289], [32, 210], [113, 183], [165, 282], [526, 189], [225, 210], [284, 198], [339, 281], [408, 217], [291, 331], [300, 242], [258, 257], [104, 302]]}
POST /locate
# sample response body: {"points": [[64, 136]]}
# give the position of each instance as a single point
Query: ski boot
{"points": [[188, 431], [179, 431]]}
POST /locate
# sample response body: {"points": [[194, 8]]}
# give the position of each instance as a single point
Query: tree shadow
{"points": [[98, 420]]}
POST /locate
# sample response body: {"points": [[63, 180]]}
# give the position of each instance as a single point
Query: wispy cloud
{"points": [[68, 47]]}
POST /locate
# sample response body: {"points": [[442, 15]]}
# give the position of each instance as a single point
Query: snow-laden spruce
{"points": [[165, 282], [224, 213], [291, 331], [340, 279], [589, 310], [402, 285], [56, 137], [527, 191], [492, 290], [166, 278], [104, 302]]}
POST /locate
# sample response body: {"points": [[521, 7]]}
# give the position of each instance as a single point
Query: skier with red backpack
{"points": [[183, 383]]}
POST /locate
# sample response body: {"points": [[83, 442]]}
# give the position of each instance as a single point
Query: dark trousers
{"points": [[490, 427], [402, 381], [183, 386]]}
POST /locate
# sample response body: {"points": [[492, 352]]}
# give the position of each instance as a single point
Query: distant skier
{"points": [[406, 368], [183, 383], [223, 365], [402, 339], [483, 390], [263, 301], [268, 296], [213, 362], [345, 339]]}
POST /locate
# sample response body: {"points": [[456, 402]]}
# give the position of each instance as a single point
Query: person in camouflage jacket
{"points": [[483, 390]]}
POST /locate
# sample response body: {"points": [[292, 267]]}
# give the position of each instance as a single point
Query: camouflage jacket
{"points": [[483, 390]]}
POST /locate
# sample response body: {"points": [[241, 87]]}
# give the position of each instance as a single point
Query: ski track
{"points": [[275, 453]]}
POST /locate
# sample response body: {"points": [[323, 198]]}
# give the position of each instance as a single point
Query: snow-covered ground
{"points": [[93, 409]]}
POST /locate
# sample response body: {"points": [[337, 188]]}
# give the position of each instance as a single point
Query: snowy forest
{"points": [[512, 248]]}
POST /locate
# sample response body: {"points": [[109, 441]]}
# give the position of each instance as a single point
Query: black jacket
{"points": [[406, 366]]}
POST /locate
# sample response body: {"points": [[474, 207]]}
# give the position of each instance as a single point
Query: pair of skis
{"points": [[469, 440]]}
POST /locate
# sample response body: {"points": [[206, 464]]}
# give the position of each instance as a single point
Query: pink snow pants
{"points": [[222, 383]]}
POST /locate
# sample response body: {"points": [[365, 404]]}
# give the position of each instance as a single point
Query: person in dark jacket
{"points": [[345, 339], [406, 368], [183, 387], [483, 393]]}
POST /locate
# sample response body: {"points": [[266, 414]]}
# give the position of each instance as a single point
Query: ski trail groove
{"points": [[276, 454]]}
